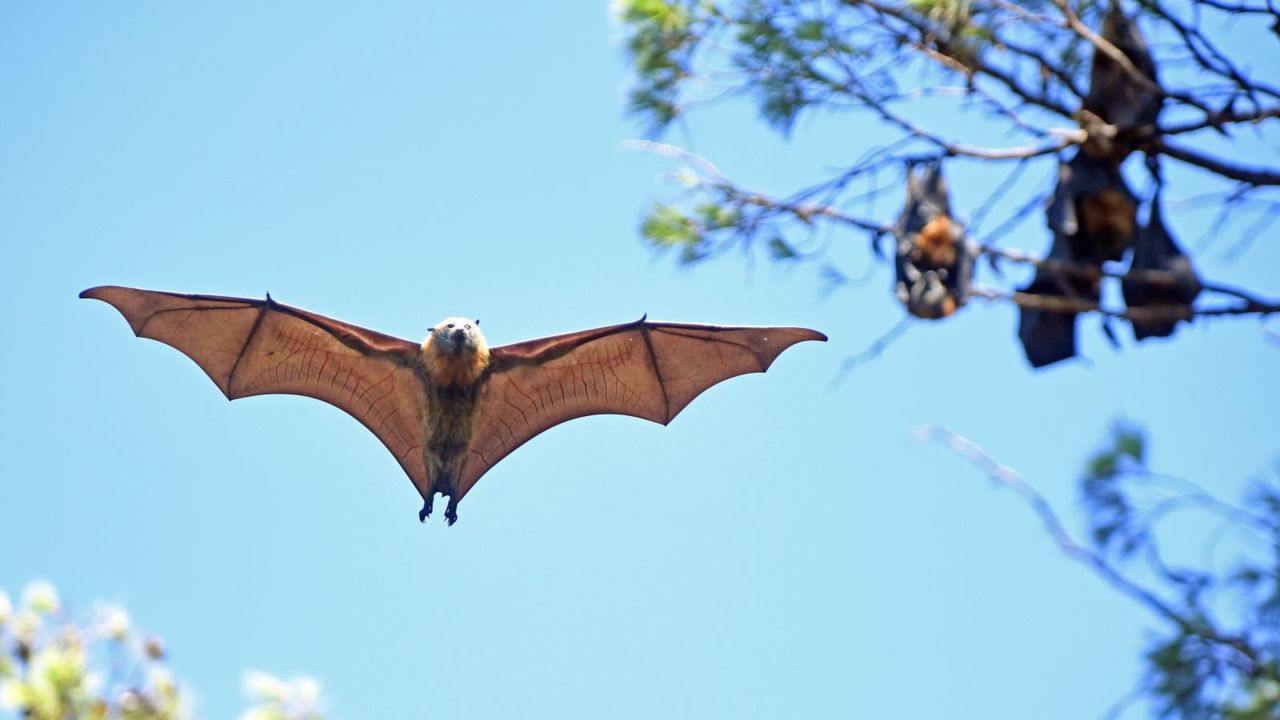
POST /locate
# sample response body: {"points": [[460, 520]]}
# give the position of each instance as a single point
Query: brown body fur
{"points": [[1108, 218], [453, 387]]}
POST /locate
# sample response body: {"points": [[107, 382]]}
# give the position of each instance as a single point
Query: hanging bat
{"points": [[1092, 216], [449, 408], [1049, 337], [1155, 250], [1093, 209], [933, 265], [1117, 98]]}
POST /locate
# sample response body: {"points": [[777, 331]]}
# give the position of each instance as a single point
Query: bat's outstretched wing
{"points": [[644, 369], [258, 347]]}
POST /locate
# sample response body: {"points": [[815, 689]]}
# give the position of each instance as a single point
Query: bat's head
{"points": [[457, 336], [455, 352]]}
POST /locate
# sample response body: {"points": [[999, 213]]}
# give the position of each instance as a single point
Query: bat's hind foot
{"points": [[425, 512], [451, 512]]}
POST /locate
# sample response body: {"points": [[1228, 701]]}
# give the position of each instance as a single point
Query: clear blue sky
{"points": [[782, 549]]}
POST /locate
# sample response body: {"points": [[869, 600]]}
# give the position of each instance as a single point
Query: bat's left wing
{"points": [[257, 347], [644, 369]]}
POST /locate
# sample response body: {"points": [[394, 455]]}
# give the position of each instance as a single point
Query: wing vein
{"points": [[657, 373], [231, 376]]}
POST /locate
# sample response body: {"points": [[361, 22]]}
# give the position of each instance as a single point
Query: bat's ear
{"points": [[477, 322]]}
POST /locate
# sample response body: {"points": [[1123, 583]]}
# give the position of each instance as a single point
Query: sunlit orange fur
{"points": [[448, 370], [936, 244]]}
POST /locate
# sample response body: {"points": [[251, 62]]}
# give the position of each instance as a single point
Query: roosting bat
{"points": [[933, 265], [1093, 216], [1154, 249], [1116, 97], [1094, 209], [449, 408], [1048, 337]]}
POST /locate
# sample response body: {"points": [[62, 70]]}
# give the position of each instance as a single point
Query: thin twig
{"points": [[872, 351], [1007, 477], [1117, 56], [678, 153]]}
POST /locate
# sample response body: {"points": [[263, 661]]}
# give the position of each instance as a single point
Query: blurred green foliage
{"points": [[787, 55], [792, 56], [1219, 656], [52, 668], [663, 39]]}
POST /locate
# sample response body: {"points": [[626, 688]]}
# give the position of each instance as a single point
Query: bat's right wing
{"points": [[643, 369], [257, 347]]}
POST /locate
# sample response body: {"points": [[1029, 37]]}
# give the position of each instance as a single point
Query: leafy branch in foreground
{"points": [[52, 668], [1219, 652]]}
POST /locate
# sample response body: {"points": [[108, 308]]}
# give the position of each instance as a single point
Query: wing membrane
{"points": [[642, 369], [258, 347]]}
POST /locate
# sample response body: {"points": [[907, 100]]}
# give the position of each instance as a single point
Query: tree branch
{"points": [[1218, 119], [1071, 305], [968, 64], [1007, 477], [1249, 175], [1116, 55], [981, 153]]}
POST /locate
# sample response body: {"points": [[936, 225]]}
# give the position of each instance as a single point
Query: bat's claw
{"points": [[451, 512], [425, 512]]}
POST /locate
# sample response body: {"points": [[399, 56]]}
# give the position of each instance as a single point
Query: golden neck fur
{"points": [[454, 369]]}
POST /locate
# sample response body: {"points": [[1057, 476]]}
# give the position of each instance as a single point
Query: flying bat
{"points": [[933, 265], [1154, 249], [449, 408]]}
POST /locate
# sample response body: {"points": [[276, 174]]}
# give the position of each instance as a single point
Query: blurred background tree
{"points": [[1208, 570], [1073, 103], [53, 668], [1094, 96]]}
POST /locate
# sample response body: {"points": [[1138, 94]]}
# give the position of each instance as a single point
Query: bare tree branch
{"points": [[1071, 305], [1252, 176], [874, 350], [1220, 118], [1004, 476], [1066, 139], [968, 63]]}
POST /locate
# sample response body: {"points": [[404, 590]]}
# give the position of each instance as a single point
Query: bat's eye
{"points": [[450, 325], [468, 327]]}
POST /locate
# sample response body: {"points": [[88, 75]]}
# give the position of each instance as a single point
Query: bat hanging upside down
{"points": [[450, 408]]}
